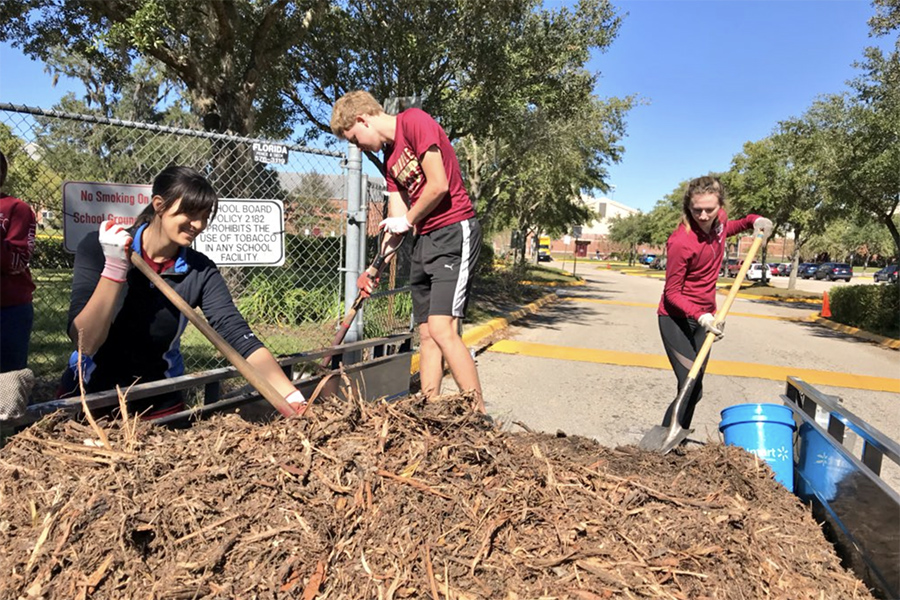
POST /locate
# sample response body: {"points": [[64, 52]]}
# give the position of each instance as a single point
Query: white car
{"points": [[755, 272]]}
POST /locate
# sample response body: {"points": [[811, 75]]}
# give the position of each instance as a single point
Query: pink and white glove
{"points": [[396, 224], [296, 400], [116, 244]]}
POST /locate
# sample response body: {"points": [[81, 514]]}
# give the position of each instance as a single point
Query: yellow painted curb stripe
{"points": [[555, 283], [730, 314], [475, 335], [866, 335], [715, 367], [776, 298]]}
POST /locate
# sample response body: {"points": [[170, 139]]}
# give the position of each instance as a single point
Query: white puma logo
{"points": [[448, 267]]}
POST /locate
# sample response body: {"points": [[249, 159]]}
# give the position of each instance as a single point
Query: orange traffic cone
{"points": [[826, 310]]}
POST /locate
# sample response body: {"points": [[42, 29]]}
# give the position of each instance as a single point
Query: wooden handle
{"points": [[726, 306], [240, 363], [739, 278]]}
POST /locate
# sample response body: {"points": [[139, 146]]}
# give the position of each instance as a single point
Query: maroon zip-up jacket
{"points": [[17, 225], [693, 261]]}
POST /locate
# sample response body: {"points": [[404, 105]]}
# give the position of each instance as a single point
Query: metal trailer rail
{"points": [[376, 368], [841, 479]]}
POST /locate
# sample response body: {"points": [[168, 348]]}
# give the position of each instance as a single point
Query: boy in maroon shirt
{"points": [[17, 226], [694, 256], [426, 192]]}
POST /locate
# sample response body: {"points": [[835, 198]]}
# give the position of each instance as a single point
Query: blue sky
{"points": [[714, 74]]}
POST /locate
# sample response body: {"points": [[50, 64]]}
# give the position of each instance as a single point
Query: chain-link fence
{"points": [[389, 311], [292, 307]]}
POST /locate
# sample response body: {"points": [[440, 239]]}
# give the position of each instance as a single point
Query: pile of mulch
{"points": [[403, 500]]}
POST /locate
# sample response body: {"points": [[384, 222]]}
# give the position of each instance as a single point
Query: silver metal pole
{"points": [[352, 251], [362, 215]]}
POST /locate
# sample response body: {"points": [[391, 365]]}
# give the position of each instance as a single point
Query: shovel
{"points": [[661, 438], [374, 272], [240, 363]]}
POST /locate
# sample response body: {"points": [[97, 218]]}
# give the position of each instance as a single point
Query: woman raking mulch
{"points": [[402, 500]]}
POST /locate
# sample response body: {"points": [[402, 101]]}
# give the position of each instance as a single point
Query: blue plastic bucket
{"points": [[766, 430], [821, 465]]}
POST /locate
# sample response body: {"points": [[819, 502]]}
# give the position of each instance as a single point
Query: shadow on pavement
{"points": [[821, 331]]}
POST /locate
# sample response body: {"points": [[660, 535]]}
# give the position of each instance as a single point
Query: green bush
{"points": [[874, 308], [277, 301], [49, 254], [486, 258]]}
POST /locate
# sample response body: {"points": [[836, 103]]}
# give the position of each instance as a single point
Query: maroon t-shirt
{"points": [[693, 261], [17, 225], [416, 132]]}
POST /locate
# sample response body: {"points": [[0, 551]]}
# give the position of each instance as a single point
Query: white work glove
{"points": [[708, 322], [396, 225], [116, 244], [296, 400], [763, 225]]}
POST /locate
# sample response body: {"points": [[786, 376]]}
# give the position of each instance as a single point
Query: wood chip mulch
{"points": [[402, 500]]}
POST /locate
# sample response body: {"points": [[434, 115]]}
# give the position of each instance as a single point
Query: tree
{"points": [[776, 177], [28, 178], [310, 205], [256, 68], [857, 134], [665, 216], [532, 176], [228, 57], [858, 157], [886, 18], [632, 231], [477, 64]]}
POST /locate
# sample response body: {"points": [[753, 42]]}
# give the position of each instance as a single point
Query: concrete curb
{"points": [[881, 340], [477, 336]]}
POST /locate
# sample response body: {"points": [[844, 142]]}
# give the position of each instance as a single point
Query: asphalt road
{"points": [[593, 364]]}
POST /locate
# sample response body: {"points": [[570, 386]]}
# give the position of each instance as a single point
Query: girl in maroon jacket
{"points": [[17, 224], [695, 251]]}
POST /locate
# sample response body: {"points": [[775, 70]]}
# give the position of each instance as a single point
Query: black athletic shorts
{"points": [[443, 265]]}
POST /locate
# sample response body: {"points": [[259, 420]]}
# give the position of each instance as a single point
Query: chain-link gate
{"points": [[292, 308]]}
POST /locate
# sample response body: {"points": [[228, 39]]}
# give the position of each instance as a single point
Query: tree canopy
{"points": [[262, 67]]}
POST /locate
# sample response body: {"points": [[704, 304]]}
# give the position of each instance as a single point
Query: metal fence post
{"points": [[356, 236], [362, 221]]}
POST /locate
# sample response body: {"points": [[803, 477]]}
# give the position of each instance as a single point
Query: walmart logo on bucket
{"points": [[779, 454]]}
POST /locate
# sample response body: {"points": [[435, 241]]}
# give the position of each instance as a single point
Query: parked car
{"points": [[755, 272], [647, 259], [807, 270], [889, 274], [659, 263], [831, 271], [784, 269], [730, 268], [773, 269]]}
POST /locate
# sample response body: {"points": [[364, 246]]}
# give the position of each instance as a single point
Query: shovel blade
{"points": [[664, 439]]}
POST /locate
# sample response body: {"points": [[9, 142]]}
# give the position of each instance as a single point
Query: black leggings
{"points": [[682, 339]]}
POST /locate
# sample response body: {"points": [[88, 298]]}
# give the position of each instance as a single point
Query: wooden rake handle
{"points": [[260, 383], [726, 306]]}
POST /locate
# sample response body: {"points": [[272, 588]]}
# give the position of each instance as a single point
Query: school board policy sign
{"points": [[245, 233]]}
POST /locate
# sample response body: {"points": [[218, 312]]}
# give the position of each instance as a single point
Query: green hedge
{"points": [[874, 308], [49, 254]]}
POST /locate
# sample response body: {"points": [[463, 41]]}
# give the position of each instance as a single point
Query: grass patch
{"points": [[539, 274], [760, 289], [623, 266]]}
